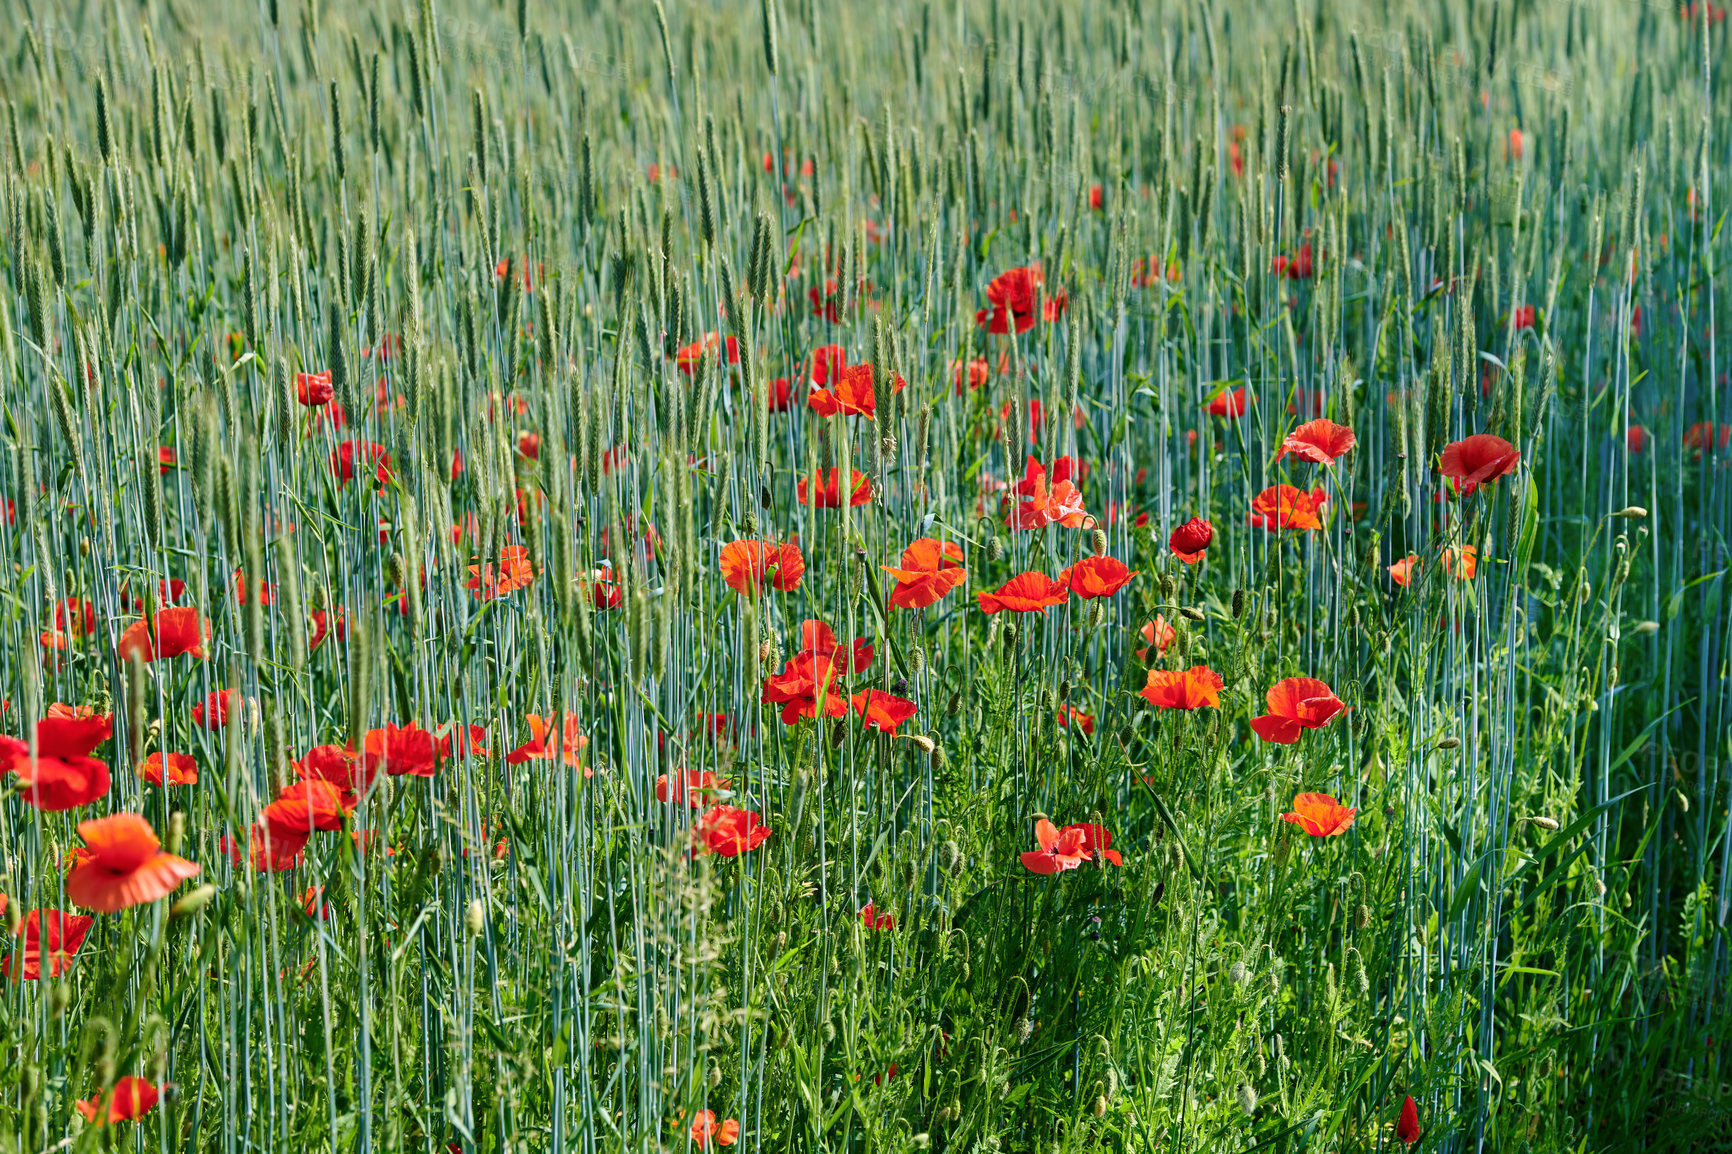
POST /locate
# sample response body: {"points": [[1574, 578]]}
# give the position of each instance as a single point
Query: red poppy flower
{"points": [[343, 460], [313, 389], [1321, 442], [1700, 436], [1402, 571], [305, 806], [1158, 634], [1227, 403], [132, 1098], [343, 768], [1524, 317], [76, 615], [1461, 563], [322, 627], [1636, 438], [218, 708], [169, 769], [824, 490], [409, 751], [1069, 715], [853, 394], [547, 743], [1192, 688], [63, 775], [883, 711], [1319, 815], [513, 572], [1285, 507], [47, 935], [688, 356], [748, 566], [977, 373], [704, 1129], [1296, 704], [1050, 501], [1407, 1126], [930, 569], [1067, 848], [874, 919], [1298, 267], [1097, 577], [693, 787], [1477, 460], [1189, 540], [169, 634], [779, 395], [808, 684], [1097, 197], [1025, 593], [165, 460], [828, 364], [1013, 294], [604, 591], [731, 832], [267, 593], [269, 850], [125, 865]]}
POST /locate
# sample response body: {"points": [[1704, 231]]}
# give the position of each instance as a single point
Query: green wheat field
{"points": [[664, 575]]}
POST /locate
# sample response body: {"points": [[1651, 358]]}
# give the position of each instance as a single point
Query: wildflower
{"points": [[124, 865], [854, 393], [75, 615], [305, 806], [1158, 634], [1052, 499], [169, 769], [47, 935], [731, 832], [1025, 593], [313, 389], [545, 743], [269, 850], [165, 460], [808, 684], [1636, 438], [704, 1128], [1700, 436], [62, 775], [1524, 317], [1067, 848], [975, 369], [1189, 541], [604, 591], [1478, 459], [218, 708], [1321, 442], [513, 572], [1070, 715], [1229, 403], [1096, 577], [132, 1098], [1461, 563], [1320, 815], [1402, 571], [343, 768], [686, 358], [747, 566], [882, 711], [322, 627], [375, 455], [1300, 266], [1192, 688], [266, 593], [408, 751], [874, 919], [930, 569], [1407, 1126], [1285, 507], [824, 492], [1012, 294], [691, 786], [1296, 704], [170, 633]]}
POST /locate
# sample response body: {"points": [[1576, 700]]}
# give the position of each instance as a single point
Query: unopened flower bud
{"points": [[1194, 613], [921, 741], [995, 548], [1100, 1106], [1447, 743], [1247, 1098], [1098, 542], [475, 917], [193, 902], [1631, 513], [1544, 823], [1238, 604]]}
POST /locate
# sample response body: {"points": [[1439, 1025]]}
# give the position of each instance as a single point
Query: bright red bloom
{"points": [[1407, 1126], [1158, 634], [688, 356], [1477, 460], [1067, 848], [829, 362], [1227, 403], [1049, 501], [343, 768], [1321, 442], [322, 627], [169, 769], [825, 494], [1285, 507], [547, 743], [748, 566], [165, 460], [269, 850], [1189, 540], [882, 711], [977, 373], [343, 460], [169, 634], [313, 389], [1192, 688], [1097, 197], [1097, 577], [731, 832], [1025, 593], [930, 569], [305, 806], [76, 615], [1461, 563], [1402, 571], [808, 685], [410, 751], [694, 787], [218, 708], [512, 573], [779, 395], [1524, 317], [124, 865], [47, 935], [63, 775], [1701, 436], [874, 919], [267, 593], [1296, 704], [704, 1129], [1069, 715], [604, 591], [132, 1098], [1319, 815], [1013, 295], [1636, 438], [853, 394]]}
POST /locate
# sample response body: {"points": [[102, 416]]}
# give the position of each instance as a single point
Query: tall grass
{"points": [[485, 221]]}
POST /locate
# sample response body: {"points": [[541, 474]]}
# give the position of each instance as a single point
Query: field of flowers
{"points": [[657, 576]]}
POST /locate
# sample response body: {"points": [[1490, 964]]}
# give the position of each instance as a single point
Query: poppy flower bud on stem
{"points": [[193, 902], [995, 548], [176, 831], [1098, 542], [1447, 743], [475, 918], [1167, 588], [1631, 513], [1544, 823], [1238, 604], [1247, 1098]]}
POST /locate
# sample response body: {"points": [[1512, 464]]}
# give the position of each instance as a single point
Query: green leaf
{"points": [[1530, 526]]}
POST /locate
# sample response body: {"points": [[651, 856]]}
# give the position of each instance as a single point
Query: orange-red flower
{"points": [[218, 708], [1296, 704], [875, 919], [930, 569], [1097, 577], [704, 1130], [882, 711], [825, 489], [748, 566], [1069, 715], [1407, 1126], [1067, 848], [269, 849], [76, 615], [322, 626], [1050, 500], [169, 769], [1013, 295], [730, 832], [1320, 815], [343, 768], [1192, 688], [547, 743], [313, 389], [852, 392], [305, 806], [694, 787], [169, 633], [1189, 540], [374, 455], [1402, 571], [1285, 507], [1227, 403], [1025, 593], [1320, 442], [1461, 563], [124, 865], [267, 593], [513, 572], [1158, 634], [1478, 459], [407, 751], [131, 1099], [63, 775], [808, 685], [47, 935]]}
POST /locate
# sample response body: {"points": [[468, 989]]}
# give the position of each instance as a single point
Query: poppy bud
{"points": [[1100, 1105], [475, 918], [995, 548], [1361, 916], [193, 902], [1280, 1052], [1166, 588], [766, 648], [1238, 604], [59, 998], [715, 1075], [950, 857], [955, 705], [1447, 743], [1098, 542], [781, 943], [1247, 1098], [1096, 615], [917, 662], [829, 1031], [84, 546], [1193, 613], [1282, 849], [922, 742], [1544, 823], [1644, 628], [1631, 513], [1010, 632], [1024, 1031], [749, 526], [176, 831], [1237, 973]]}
